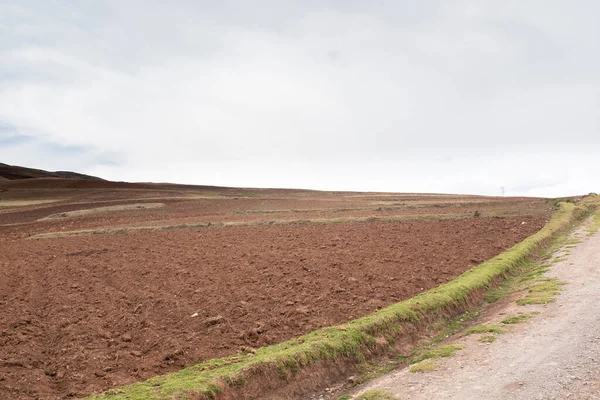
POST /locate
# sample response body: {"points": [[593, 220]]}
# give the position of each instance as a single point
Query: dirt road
{"points": [[555, 355]]}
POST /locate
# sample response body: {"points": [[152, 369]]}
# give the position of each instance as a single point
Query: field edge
{"points": [[325, 354]]}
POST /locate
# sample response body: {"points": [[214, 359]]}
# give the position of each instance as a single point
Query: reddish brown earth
{"points": [[81, 314]]}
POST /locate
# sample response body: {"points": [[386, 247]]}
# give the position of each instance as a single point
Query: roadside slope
{"points": [[555, 355]]}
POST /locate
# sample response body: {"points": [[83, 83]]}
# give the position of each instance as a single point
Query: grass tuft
{"points": [[517, 319], [425, 366], [487, 339], [376, 395], [441, 351], [543, 292], [535, 273]]}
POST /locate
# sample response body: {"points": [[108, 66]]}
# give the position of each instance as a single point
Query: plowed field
{"points": [[81, 314]]}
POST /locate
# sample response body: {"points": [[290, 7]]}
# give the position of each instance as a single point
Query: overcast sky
{"points": [[415, 96]]}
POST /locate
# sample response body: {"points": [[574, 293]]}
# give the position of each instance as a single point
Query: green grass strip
{"points": [[356, 338]]}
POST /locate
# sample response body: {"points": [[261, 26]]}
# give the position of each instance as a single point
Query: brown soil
{"points": [[81, 314]]}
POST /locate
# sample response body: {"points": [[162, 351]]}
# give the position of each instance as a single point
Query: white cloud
{"points": [[440, 96]]}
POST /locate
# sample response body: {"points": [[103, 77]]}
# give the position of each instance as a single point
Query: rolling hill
{"points": [[15, 172]]}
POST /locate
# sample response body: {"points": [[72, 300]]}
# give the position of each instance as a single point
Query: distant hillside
{"points": [[15, 172]]}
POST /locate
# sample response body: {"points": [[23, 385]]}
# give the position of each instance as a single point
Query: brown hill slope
{"points": [[15, 172]]}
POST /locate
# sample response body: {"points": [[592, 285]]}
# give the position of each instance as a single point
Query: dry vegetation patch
{"points": [[98, 210]]}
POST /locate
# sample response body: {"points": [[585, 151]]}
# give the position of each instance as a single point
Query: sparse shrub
{"points": [[477, 214], [558, 201]]}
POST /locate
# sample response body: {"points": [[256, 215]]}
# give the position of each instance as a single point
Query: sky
{"points": [[454, 96]]}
